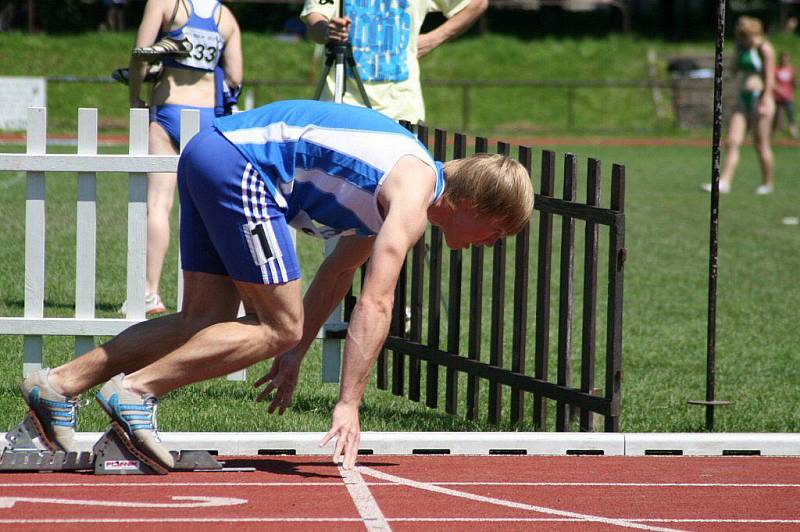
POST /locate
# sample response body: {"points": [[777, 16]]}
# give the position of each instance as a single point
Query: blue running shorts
{"points": [[168, 116], [230, 224]]}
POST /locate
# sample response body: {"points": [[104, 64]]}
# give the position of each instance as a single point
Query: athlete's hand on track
{"points": [[347, 431], [282, 377]]}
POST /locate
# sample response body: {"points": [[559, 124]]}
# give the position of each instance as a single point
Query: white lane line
{"points": [[620, 484], [186, 520], [509, 504], [365, 503], [337, 484], [191, 502], [712, 520], [334, 484], [574, 520], [392, 519]]}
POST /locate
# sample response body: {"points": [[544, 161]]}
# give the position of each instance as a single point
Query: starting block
{"points": [[113, 454]]}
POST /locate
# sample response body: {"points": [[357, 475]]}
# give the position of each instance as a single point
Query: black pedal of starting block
{"points": [[195, 461], [30, 450], [115, 454], [26, 460], [30, 436]]}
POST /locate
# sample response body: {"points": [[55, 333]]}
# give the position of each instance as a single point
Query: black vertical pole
{"points": [[711, 343]]}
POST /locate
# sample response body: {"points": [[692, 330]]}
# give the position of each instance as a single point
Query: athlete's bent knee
{"points": [[288, 332]]}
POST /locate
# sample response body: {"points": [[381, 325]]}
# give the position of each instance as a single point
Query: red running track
{"points": [[421, 493]]}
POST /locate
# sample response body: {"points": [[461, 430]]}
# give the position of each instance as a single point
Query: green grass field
{"points": [[667, 241], [490, 57]]}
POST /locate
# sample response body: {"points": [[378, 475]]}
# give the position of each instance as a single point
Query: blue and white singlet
{"points": [[324, 163]]}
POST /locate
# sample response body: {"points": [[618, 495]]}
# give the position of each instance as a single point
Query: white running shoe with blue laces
{"points": [[57, 413], [136, 414]]}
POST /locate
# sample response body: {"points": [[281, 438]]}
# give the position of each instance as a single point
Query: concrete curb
{"points": [[484, 443]]}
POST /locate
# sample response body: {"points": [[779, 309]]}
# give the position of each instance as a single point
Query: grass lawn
{"points": [[665, 302], [480, 58]]}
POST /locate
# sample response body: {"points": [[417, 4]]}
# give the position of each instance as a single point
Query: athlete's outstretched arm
{"points": [[408, 193], [330, 285]]}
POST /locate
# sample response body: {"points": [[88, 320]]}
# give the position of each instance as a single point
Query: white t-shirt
{"points": [[384, 39]]}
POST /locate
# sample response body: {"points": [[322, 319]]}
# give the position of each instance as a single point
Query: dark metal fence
{"points": [[468, 360]]}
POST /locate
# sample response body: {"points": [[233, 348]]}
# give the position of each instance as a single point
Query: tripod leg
{"points": [[354, 69], [321, 83]]}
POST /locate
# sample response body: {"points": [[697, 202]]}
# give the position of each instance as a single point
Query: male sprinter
{"points": [[328, 170]]}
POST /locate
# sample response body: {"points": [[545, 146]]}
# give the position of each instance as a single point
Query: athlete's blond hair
{"points": [[749, 27], [497, 187]]}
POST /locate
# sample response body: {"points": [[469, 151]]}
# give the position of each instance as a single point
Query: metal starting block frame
{"points": [[113, 454]]}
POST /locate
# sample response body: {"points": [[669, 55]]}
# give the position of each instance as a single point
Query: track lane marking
{"points": [[337, 484], [67, 520], [365, 503], [509, 504], [192, 502]]}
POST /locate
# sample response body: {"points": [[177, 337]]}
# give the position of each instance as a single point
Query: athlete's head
{"points": [[496, 188], [749, 30]]}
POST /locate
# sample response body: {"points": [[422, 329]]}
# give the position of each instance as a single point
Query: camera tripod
{"points": [[340, 55]]}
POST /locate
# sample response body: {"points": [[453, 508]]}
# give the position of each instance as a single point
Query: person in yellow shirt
{"points": [[387, 44]]}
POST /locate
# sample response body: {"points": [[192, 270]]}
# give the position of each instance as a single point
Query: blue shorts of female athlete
{"points": [[230, 224], [168, 116]]}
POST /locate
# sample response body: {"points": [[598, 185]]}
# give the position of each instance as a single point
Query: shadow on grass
{"points": [[62, 305]]}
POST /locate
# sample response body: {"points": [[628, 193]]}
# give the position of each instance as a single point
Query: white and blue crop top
{"points": [[202, 31]]}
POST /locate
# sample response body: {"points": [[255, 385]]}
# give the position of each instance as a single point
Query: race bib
{"points": [[206, 49]]}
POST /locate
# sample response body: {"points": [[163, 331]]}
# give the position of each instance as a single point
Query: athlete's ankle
{"points": [[60, 383]]}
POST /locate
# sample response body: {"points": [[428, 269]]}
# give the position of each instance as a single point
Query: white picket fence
{"points": [[84, 326]]}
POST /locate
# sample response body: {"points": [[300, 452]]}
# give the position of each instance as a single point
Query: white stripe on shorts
{"points": [[281, 276], [249, 179], [263, 218]]}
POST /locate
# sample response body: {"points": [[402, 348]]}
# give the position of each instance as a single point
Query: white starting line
{"points": [[373, 483], [90, 520]]}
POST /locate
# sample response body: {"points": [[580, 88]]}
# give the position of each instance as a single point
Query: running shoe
{"points": [[163, 47], [136, 414], [764, 189], [153, 305], [57, 413]]}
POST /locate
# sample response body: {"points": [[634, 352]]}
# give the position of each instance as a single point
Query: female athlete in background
{"points": [[755, 106], [187, 82]]}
